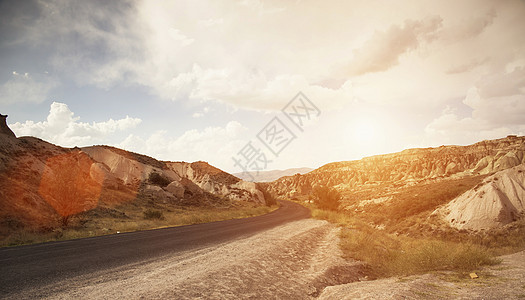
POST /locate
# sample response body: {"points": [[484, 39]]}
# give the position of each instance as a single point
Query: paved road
{"points": [[38, 265]]}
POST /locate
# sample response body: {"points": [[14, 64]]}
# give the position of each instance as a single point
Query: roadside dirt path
{"points": [[293, 261], [503, 281]]}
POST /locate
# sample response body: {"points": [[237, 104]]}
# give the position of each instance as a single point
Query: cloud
{"points": [[466, 66], [176, 35], [211, 22], [63, 128], [252, 90], [26, 87], [261, 7], [497, 103], [383, 49], [450, 128], [201, 113], [471, 27], [230, 54], [502, 84], [92, 43], [213, 144]]}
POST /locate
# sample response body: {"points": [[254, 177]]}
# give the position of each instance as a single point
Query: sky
{"points": [[219, 81]]}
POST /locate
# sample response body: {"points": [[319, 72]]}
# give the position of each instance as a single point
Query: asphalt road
{"points": [[46, 264]]}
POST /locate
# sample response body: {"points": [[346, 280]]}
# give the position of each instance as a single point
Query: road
{"points": [[33, 266]]}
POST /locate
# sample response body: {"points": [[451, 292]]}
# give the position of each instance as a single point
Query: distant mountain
{"points": [[42, 184], [267, 176]]}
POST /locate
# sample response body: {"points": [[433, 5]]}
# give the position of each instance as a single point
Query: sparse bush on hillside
{"points": [[327, 198], [150, 214], [157, 179]]}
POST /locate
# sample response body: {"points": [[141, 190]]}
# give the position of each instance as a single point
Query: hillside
{"points": [[267, 176], [495, 202], [397, 190], [411, 166], [44, 186]]}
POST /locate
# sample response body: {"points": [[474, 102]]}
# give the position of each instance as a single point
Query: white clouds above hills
{"points": [[63, 128], [438, 71], [213, 144]]}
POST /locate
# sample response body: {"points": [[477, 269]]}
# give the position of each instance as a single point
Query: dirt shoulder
{"points": [[503, 281]]}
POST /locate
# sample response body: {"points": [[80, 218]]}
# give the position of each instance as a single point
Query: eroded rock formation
{"points": [[410, 166]]}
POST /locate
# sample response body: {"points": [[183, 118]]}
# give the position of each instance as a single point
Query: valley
{"points": [[442, 212]]}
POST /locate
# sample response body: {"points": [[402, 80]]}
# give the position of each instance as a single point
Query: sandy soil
{"points": [[503, 281], [293, 261]]}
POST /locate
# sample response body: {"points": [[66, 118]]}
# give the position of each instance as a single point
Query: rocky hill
{"points": [[400, 191], [497, 201], [410, 167], [41, 183]]}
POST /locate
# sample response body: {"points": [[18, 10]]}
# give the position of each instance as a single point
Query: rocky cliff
{"points": [[180, 178], [41, 182], [409, 167], [4, 129]]}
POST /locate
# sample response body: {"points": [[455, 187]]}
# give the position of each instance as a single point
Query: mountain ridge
{"points": [[374, 184]]}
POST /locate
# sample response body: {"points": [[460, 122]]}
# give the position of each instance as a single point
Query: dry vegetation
{"points": [[398, 235], [389, 254], [129, 217]]}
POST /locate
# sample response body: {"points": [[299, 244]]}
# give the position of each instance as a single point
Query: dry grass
{"points": [[136, 221], [389, 254], [408, 203]]}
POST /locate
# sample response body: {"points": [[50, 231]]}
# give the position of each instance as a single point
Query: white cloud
{"points": [[213, 144], [255, 55], [211, 22], [383, 49], [201, 113], [25, 87], [176, 35], [261, 7], [63, 128], [253, 91], [497, 102]]}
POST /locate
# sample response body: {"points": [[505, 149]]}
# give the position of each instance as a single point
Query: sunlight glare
{"points": [[364, 131]]}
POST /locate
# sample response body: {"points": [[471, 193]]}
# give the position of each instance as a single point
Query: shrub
{"points": [[150, 214], [327, 198], [158, 179]]}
